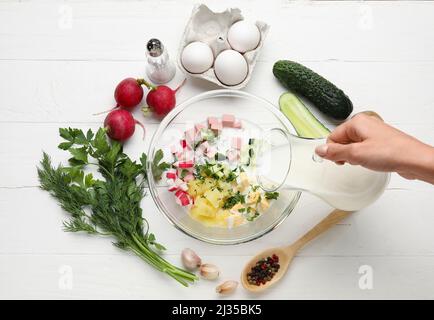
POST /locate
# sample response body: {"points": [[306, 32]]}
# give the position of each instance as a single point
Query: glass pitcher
{"points": [[345, 187]]}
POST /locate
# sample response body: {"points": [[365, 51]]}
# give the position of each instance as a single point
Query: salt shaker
{"points": [[160, 69]]}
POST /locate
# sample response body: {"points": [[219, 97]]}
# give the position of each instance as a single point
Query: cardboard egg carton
{"points": [[212, 28]]}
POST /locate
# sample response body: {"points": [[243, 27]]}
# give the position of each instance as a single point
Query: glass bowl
{"points": [[257, 113]]}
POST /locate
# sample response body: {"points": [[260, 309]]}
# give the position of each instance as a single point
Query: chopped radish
{"points": [[210, 152], [183, 186], [238, 124], [187, 155], [203, 146], [175, 149], [179, 193], [171, 175], [237, 143], [186, 164], [199, 127], [178, 182], [212, 120], [183, 200], [173, 188], [233, 155], [228, 120], [189, 177], [217, 127], [197, 155], [190, 135]]}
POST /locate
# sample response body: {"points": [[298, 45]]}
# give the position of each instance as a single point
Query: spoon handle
{"points": [[334, 217]]}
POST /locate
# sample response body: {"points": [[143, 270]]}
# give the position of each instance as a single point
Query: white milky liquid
{"points": [[345, 187]]}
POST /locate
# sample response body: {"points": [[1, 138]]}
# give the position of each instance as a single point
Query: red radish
{"points": [[121, 125], [129, 93], [161, 99]]}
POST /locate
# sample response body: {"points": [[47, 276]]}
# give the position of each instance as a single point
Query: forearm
{"points": [[420, 163]]}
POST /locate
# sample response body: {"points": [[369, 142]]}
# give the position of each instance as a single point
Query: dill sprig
{"points": [[109, 206]]}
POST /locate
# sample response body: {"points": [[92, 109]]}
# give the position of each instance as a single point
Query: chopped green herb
{"points": [[233, 200], [184, 173], [231, 177], [271, 195], [252, 217]]}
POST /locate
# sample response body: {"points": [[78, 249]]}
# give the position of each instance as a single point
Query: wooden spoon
{"points": [[287, 253]]}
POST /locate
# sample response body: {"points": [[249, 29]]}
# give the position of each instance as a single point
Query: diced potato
{"points": [[208, 184], [223, 214], [202, 207], [264, 204], [225, 186], [199, 187], [238, 220], [236, 207], [244, 181], [253, 197], [214, 196], [195, 188]]}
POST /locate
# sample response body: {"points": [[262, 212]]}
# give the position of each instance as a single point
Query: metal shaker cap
{"points": [[155, 47]]}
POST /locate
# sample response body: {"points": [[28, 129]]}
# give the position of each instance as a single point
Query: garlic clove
{"points": [[227, 287], [190, 259], [209, 271]]}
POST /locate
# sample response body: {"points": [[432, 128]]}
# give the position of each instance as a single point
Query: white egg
{"points": [[230, 67], [197, 57], [244, 36]]}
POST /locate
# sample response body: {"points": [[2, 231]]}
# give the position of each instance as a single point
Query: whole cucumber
{"points": [[328, 98]]}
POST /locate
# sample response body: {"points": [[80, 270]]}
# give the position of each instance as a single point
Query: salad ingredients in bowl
{"points": [[211, 192], [213, 173]]}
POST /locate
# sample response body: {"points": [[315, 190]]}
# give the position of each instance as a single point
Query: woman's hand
{"points": [[367, 141]]}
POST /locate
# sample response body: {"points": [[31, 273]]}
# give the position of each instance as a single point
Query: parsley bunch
{"points": [[110, 206]]}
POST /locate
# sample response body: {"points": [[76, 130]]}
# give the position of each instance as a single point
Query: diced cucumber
{"points": [[304, 122], [220, 174], [227, 171], [244, 155], [207, 134]]}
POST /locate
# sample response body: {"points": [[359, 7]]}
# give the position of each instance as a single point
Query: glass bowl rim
{"points": [[163, 125]]}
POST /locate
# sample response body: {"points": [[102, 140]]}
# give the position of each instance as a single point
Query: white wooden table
{"points": [[59, 63]]}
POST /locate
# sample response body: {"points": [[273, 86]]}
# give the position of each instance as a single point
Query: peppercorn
{"points": [[264, 270]]}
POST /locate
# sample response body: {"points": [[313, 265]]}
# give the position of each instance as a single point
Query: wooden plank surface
{"points": [[59, 63]]}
